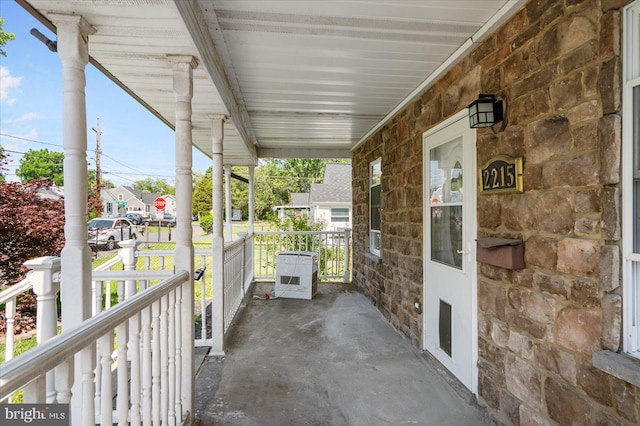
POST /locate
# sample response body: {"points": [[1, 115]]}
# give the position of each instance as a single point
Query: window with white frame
{"points": [[120, 197], [339, 214], [375, 207], [631, 178]]}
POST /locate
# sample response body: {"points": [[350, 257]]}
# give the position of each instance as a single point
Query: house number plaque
{"points": [[501, 174]]}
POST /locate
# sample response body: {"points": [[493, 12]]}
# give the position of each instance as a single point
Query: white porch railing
{"points": [[137, 299], [333, 249], [147, 331], [238, 275]]}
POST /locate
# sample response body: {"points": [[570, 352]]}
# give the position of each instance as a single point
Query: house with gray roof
{"points": [[299, 204], [330, 201], [132, 200]]}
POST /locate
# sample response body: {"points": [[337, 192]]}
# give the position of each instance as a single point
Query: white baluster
{"points": [[86, 360], [134, 353], [178, 361], [122, 400], [164, 360], [10, 313], [106, 413], [64, 381], [155, 380], [171, 358], [146, 366]]}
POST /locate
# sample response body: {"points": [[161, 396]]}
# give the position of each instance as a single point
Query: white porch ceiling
{"points": [[306, 78]]}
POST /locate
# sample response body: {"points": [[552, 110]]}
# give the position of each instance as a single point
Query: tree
{"points": [[201, 202], [4, 37], [306, 172], [3, 162], [240, 192], [30, 227], [41, 164], [155, 186]]}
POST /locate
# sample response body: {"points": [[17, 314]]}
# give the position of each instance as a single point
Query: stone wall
{"points": [[557, 64]]}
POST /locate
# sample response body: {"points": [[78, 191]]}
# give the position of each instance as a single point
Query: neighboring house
{"points": [[299, 205], [331, 201], [129, 200], [171, 204], [137, 201], [109, 203], [51, 192]]}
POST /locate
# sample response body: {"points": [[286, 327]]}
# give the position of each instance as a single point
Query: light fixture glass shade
{"points": [[485, 111]]}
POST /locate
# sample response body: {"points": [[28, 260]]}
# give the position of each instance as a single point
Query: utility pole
{"points": [[98, 133]]}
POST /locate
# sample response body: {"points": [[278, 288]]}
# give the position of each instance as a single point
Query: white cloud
{"points": [[24, 117], [7, 81]]}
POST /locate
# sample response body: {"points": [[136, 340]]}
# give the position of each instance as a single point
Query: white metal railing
{"points": [[148, 336], [333, 249]]}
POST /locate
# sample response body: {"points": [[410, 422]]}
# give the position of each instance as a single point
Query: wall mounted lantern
{"points": [[485, 111]]}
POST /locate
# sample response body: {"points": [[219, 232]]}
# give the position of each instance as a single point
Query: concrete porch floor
{"points": [[333, 360]]}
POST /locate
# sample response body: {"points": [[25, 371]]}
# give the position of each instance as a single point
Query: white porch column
{"points": [[251, 199], [217, 270], [73, 49], [183, 67], [227, 202]]}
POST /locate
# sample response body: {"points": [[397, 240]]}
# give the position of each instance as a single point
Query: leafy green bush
{"points": [[206, 223]]}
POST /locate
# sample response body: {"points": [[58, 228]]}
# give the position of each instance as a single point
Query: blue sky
{"points": [[135, 145]]}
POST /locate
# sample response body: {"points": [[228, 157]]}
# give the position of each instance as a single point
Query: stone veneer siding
{"points": [[557, 64]]}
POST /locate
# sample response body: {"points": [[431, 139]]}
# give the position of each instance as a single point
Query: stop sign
{"points": [[160, 203]]}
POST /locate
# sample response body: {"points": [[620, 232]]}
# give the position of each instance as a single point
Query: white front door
{"points": [[450, 322]]}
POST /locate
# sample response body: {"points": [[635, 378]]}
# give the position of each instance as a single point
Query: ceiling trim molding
{"points": [[192, 17], [504, 13]]}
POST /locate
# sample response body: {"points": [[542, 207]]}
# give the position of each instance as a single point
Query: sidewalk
{"points": [[333, 360]]}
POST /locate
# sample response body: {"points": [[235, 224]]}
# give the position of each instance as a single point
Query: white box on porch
{"points": [[296, 274]]}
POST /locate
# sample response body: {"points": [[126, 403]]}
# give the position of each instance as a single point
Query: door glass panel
{"points": [[636, 169], [445, 187]]}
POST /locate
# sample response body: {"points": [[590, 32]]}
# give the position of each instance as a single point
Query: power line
{"points": [[125, 165], [30, 140]]}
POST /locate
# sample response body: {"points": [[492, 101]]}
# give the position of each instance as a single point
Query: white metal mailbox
{"points": [[296, 274]]}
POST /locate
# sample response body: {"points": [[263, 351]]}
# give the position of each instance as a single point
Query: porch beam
{"points": [[217, 261], [75, 259], [183, 67], [222, 76], [304, 153]]}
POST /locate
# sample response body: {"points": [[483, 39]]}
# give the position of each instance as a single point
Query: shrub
{"points": [[206, 223], [30, 226]]}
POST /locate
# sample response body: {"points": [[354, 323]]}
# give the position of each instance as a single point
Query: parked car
{"points": [[106, 232], [135, 218], [167, 220]]}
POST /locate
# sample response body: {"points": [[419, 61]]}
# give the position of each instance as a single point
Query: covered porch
{"points": [[240, 81]]}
